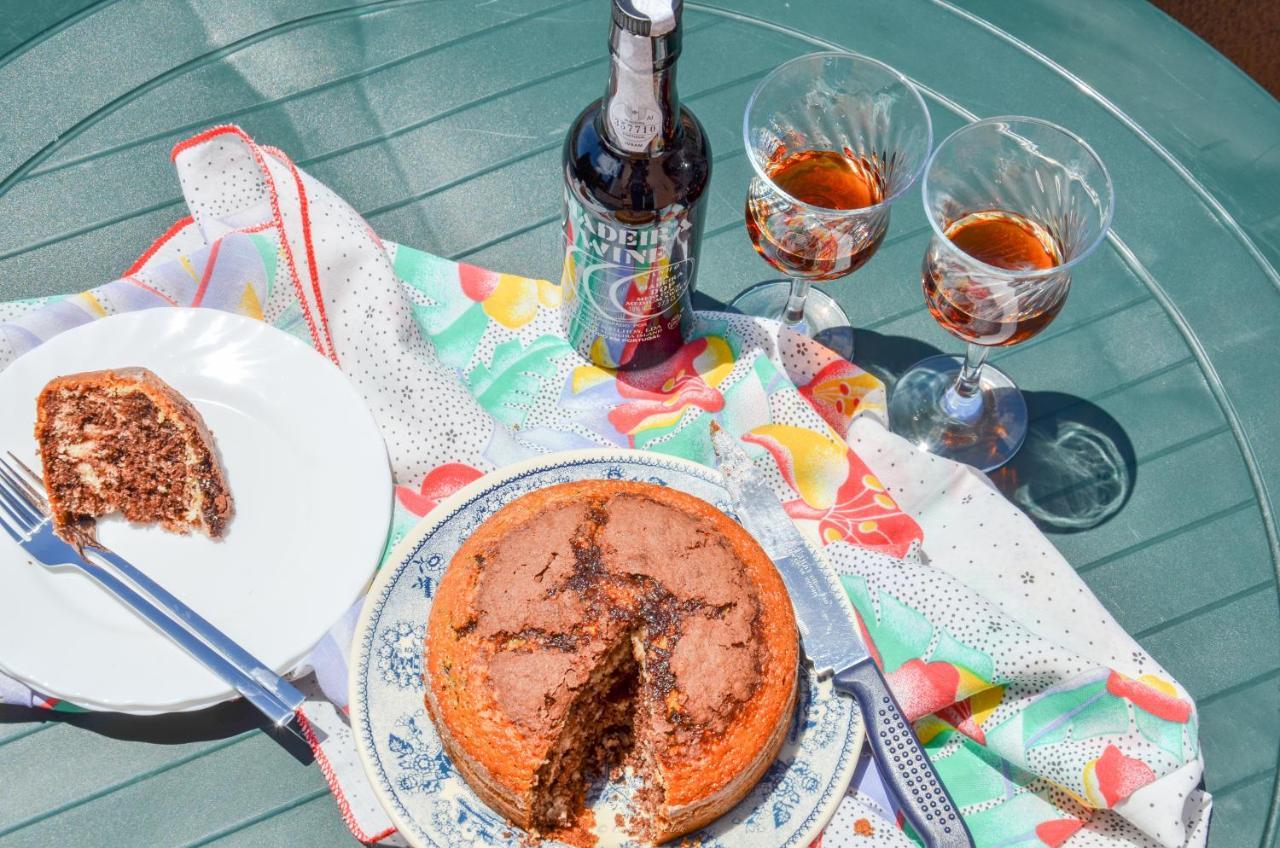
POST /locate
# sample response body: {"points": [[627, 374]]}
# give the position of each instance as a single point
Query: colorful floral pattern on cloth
{"points": [[1047, 722]]}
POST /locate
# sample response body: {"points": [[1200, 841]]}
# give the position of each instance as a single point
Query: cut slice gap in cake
{"points": [[597, 737], [647, 821], [606, 734]]}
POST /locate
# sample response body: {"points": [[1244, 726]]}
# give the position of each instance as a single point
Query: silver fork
{"points": [[24, 515]]}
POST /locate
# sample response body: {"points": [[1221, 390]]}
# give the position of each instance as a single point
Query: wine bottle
{"points": [[636, 169]]}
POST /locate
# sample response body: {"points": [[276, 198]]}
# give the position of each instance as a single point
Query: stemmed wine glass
{"points": [[1015, 204], [835, 139]]}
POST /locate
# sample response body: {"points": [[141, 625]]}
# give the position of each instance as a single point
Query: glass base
{"points": [[984, 431], [824, 321]]}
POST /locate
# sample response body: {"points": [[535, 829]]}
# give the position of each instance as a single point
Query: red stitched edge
{"points": [[344, 807], [132, 279], [158, 243], [311, 253], [317, 341], [174, 228], [198, 138], [316, 338], [179, 225], [208, 272], [378, 837]]}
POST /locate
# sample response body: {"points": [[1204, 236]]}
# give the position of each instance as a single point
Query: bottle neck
{"points": [[641, 108]]}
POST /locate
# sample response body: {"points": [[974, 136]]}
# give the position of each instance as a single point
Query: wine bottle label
{"points": [[634, 117], [625, 288]]}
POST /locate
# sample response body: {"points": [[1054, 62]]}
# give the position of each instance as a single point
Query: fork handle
{"points": [[252, 680], [284, 691]]}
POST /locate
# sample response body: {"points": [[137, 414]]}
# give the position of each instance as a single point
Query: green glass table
{"points": [[442, 122]]}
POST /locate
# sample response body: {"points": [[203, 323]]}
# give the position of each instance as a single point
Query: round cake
{"points": [[600, 624]]}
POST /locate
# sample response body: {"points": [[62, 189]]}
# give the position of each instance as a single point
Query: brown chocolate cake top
{"points": [[514, 589], [557, 594], [537, 685]]}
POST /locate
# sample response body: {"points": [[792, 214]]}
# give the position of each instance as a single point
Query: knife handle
{"points": [[903, 763]]}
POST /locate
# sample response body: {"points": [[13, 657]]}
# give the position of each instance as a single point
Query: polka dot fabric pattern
{"points": [[1046, 720]]}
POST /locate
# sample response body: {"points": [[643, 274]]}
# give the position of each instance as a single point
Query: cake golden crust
{"points": [[123, 440], [561, 589]]}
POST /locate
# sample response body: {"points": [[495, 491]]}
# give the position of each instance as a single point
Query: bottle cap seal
{"points": [[648, 18]]}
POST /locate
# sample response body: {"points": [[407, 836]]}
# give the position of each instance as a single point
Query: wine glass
{"points": [[835, 139], [1015, 204]]}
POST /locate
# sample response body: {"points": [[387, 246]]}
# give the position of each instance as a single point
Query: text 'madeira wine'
{"points": [[636, 168]]}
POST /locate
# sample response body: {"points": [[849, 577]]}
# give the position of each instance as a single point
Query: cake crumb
{"points": [[581, 833]]}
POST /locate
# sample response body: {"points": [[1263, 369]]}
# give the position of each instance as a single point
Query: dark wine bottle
{"points": [[636, 168]]}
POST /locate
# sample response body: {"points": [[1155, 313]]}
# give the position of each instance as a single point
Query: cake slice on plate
{"points": [[126, 441]]}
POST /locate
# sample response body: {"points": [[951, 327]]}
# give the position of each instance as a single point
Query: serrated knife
{"points": [[829, 635]]}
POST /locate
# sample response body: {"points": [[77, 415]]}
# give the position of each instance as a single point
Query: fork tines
{"points": [[16, 504], [30, 481]]}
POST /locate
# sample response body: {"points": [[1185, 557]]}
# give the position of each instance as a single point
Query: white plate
{"points": [[414, 780], [312, 489]]}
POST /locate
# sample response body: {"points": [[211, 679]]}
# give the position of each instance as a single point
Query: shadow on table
{"points": [[1077, 468], [218, 722], [707, 303], [887, 357]]}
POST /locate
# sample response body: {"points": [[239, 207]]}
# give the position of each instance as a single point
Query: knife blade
{"points": [[823, 612], [831, 641]]}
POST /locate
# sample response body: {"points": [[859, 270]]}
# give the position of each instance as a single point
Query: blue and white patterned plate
{"points": [[431, 803]]}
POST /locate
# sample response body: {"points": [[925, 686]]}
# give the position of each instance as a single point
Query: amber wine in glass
{"points": [[1003, 240], [826, 178]]}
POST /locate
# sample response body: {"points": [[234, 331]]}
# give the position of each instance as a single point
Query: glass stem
{"points": [[967, 383], [963, 400], [794, 313]]}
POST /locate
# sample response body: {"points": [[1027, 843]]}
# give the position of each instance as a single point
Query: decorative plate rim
{"points": [[407, 547]]}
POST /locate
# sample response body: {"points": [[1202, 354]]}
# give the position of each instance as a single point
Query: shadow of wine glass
{"points": [[887, 357], [704, 302], [837, 338], [1076, 469]]}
